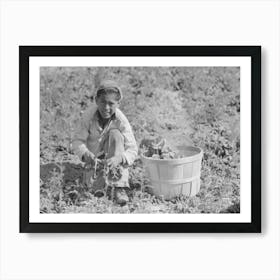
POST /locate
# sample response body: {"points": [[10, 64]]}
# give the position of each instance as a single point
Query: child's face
{"points": [[107, 105]]}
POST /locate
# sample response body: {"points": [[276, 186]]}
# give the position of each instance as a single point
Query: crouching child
{"points": [[105, 134]]}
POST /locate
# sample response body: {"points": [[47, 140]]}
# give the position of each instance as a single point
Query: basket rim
{"points": [[176, 160]]}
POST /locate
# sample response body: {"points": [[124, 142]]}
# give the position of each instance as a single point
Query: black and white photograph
{"points": [[158, 141], [140, 140]]}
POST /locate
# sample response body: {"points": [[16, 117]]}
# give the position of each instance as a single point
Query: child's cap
{"points": [[108, 86]]}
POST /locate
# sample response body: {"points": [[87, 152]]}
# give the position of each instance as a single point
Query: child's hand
{"points": [[88, 157], [114, 161]]}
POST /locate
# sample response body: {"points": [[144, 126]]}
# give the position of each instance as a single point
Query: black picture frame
{"points": [[254, 52]]}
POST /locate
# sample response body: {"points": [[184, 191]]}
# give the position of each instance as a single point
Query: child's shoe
{"points": [[99, 193], [121, 196]]}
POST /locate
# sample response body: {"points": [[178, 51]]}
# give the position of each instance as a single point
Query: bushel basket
{"points": [[173, 177]]}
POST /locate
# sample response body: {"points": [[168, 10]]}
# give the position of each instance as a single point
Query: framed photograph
{"points": [[140, 139]]}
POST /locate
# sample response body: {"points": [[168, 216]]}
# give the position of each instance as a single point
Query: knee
{"points": [[115, 135]]}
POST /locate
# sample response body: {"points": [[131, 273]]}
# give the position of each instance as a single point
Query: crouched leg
{"points": [[114, 146], [118, 176], [112, 179]]}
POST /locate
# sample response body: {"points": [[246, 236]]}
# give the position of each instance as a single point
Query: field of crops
{"points": [[198, 106]]}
